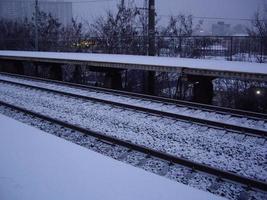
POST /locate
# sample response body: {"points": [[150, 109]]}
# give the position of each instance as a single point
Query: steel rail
{"points": [[193, 105], [151, 152], [205, 122]]}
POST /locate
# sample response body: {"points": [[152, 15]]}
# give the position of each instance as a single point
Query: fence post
{"points": [[261, 43], [231, 48]]}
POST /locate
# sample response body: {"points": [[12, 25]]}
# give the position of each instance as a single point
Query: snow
{"points": [[215, 47], [155, 105], [36, 165], [230, 66], [214, 147], [175, 172]]}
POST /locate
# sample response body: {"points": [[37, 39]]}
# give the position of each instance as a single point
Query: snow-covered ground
{"points": [[176, 172], [225, 150], [166, 107], [172, 62], [35, 165]]}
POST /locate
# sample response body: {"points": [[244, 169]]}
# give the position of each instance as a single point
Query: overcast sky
{"points": [[89, 10], [86, 9]]}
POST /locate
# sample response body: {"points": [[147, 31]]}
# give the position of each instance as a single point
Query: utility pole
{"points": [[120, 33], [151, 27], [145, 31], [35, 24], [151, 45]]}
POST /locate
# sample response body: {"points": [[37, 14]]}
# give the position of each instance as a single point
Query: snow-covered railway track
{"points": [[119, 95], [179, 169], [234, 120], [243, 155]]}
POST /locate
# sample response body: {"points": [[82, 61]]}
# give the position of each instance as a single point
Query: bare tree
{"points": [[49, 31], [181, 25], [72, 37], [178, 30], [259, 29], [142, 25], [117, 33], [241, 94], [259, 23], [16, 35]]}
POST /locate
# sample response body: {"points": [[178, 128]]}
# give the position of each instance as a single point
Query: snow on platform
{"points": [[37, 165], [170, 62]]}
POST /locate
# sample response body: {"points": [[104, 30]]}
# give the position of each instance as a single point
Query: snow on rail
{"points": [[169, 62], [221, 149], [36, 165]]}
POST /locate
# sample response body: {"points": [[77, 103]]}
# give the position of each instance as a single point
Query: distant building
{"points": [[221, 29], [19, 10], [239, 30]]}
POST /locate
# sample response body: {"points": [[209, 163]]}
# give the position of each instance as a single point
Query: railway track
{"points": [[150, 156], [245, 118], [168, 158], [188, 104], [158, 131]]}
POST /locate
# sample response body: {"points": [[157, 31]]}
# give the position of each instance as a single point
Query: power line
{"points": [[73, 2], [91, 1], [222, 18], [214, 18]]}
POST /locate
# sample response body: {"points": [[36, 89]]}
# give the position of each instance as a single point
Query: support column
{"points": [[19, 68], [56, 72], [77, 74], [151, 83], [203, 88], [113, 79]]}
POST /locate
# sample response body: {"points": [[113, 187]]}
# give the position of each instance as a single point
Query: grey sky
{"points": [[201, 8], [214, 8], [89, 10]]}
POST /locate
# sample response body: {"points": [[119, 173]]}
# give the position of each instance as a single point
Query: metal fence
{"points": [[251, 49], [236, 48]]}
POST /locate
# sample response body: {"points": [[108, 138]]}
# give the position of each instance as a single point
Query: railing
{"points": [[236, 48]]}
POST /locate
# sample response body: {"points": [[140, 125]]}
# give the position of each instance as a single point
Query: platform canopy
{"points": [[216, 68]]}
